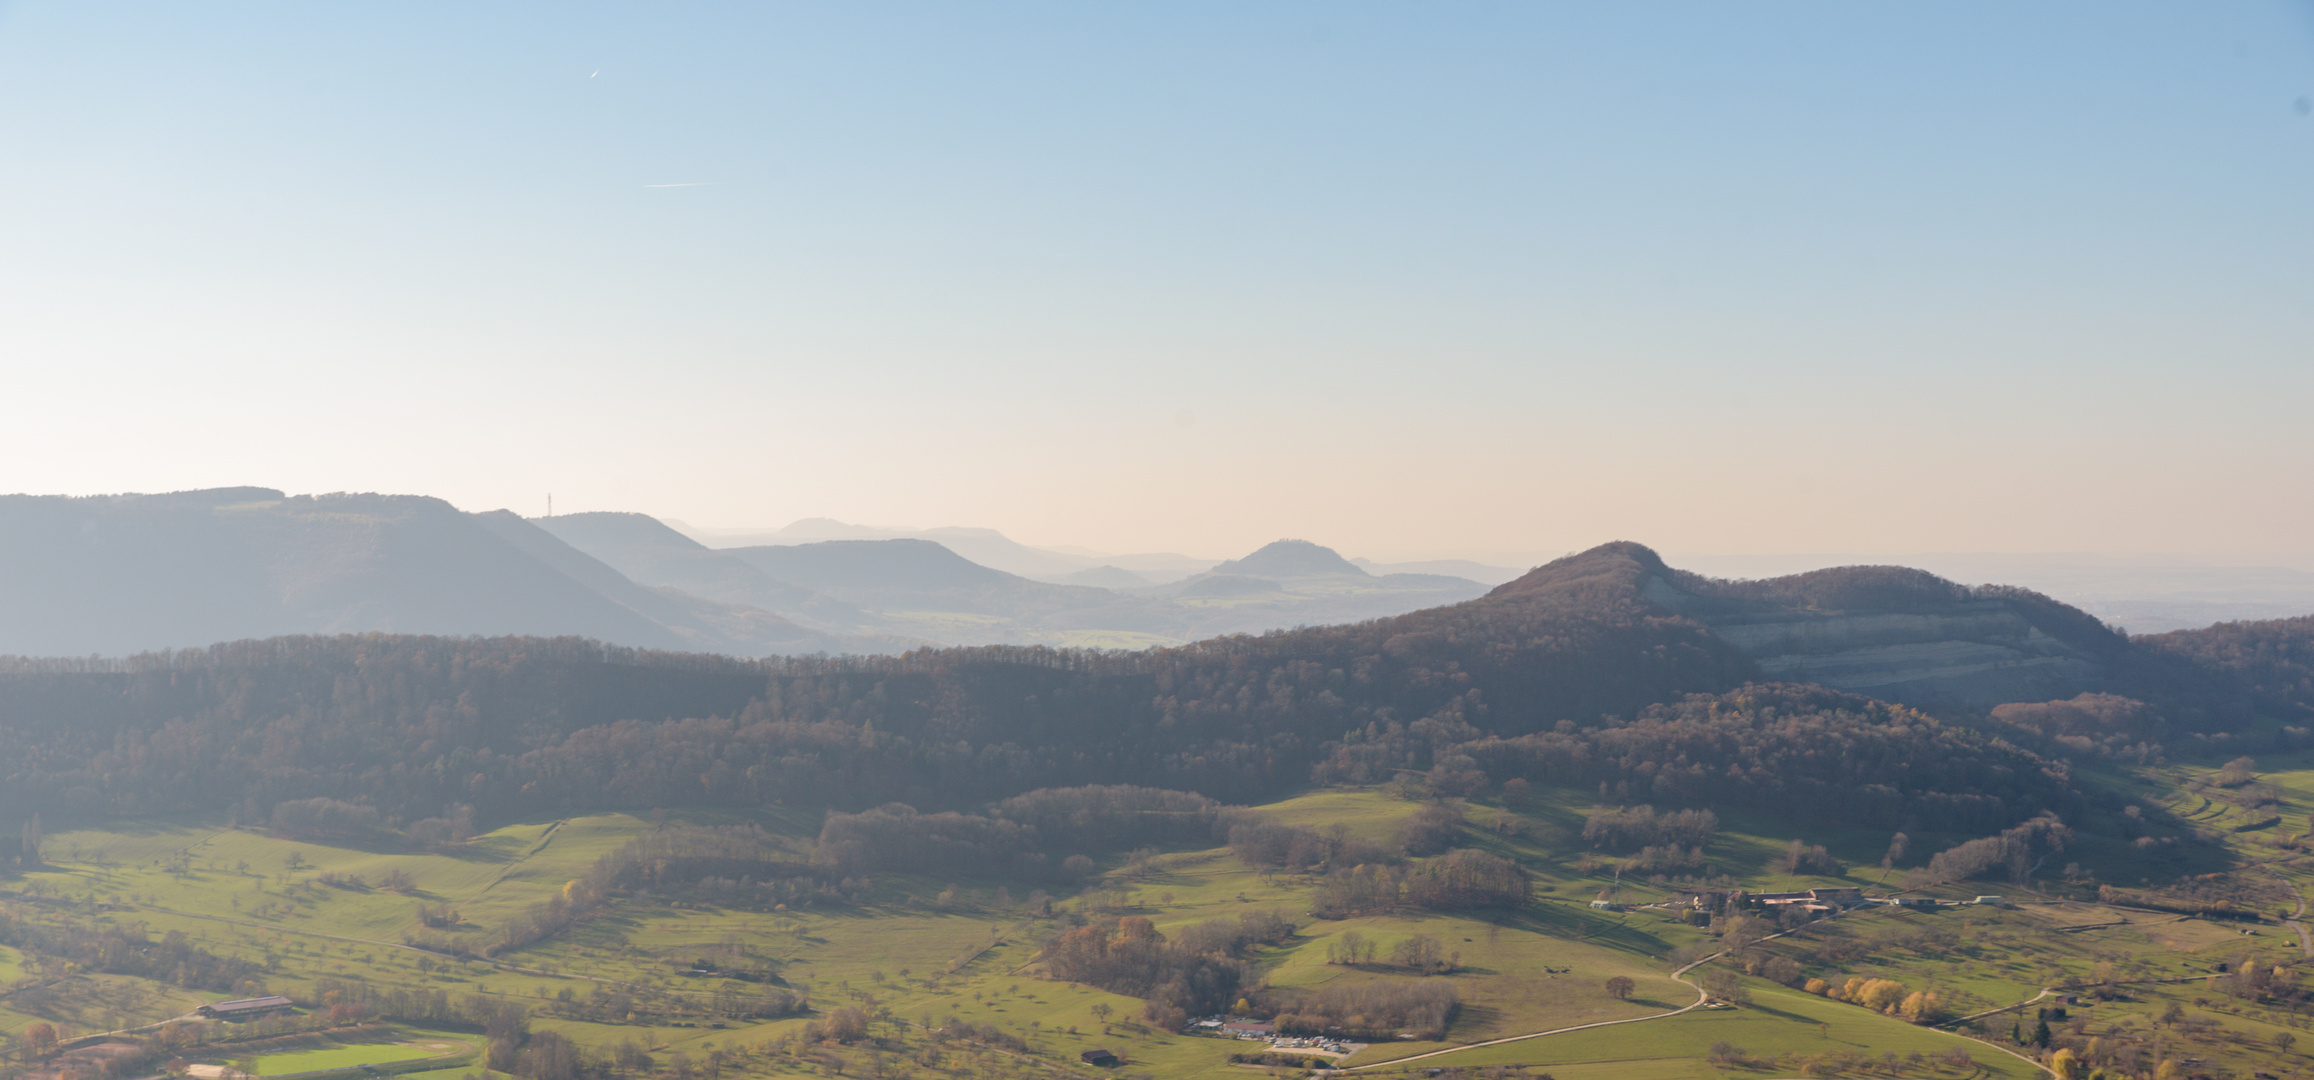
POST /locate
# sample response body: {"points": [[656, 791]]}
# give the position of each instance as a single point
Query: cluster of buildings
{"points": [[1238, 1027]]}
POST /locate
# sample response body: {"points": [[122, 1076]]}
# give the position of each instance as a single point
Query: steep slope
{"points": [[120, 574]]}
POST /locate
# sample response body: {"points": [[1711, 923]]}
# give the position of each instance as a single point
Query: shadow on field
{"points": [[1562, 920], [1781, 1014]]}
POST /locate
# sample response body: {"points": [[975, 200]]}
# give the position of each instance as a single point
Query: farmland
{"points": [[946, 971]]}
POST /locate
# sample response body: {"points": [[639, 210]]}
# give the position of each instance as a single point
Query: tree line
{"points": [[129, 949], [1200, 971], [1457, 881], [1376, 1010]]}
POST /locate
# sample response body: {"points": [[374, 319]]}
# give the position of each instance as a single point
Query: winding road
{"points": [[2305, 939]]}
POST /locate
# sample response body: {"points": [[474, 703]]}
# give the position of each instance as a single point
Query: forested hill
{"points": [[1892, 632], [1570, 675], [410, 724]]}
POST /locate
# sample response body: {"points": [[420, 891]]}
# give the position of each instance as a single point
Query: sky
{"points": [[1488, 280]]}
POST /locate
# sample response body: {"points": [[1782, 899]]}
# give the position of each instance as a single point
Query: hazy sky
{"points": [[1403, 278]]}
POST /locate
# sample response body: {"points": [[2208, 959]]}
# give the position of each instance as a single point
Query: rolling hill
{"points": [[1604, 726], [922, 588], [1473, 688], [113, 575]]}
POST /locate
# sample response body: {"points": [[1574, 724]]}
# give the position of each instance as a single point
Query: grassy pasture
{"points": [[1779, 1021], [242, 893], [351, 1056]]}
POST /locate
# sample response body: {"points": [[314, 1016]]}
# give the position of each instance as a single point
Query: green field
{"points": [[348, 1057], [897, 952]]}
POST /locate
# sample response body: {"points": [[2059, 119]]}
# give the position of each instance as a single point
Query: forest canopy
{"points": [[1569, 676]]}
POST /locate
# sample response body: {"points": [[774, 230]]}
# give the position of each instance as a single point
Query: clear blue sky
{"points": [[1407, 279]]}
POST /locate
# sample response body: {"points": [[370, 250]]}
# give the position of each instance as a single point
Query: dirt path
{"points": [[1679, 976], [2045, 994], [1700, 998]]}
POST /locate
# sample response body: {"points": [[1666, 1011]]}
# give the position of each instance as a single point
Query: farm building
{"points": [[1100, 1058], [245, 1008]]}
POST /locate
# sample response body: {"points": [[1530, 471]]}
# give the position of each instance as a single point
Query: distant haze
{"points": [[1488, 281]]}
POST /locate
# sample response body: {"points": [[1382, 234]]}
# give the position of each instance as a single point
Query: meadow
{"points": [[917, 953], [350, 1057]]}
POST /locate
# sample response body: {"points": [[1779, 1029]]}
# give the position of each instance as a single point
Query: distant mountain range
{"points": [[1063, 565], [113, 575], [120, 574], [128, 573], [987, 547], [916, 587]]}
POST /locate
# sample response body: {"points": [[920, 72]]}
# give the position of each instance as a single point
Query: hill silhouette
{"points": [[868, 582], [647, 551], [122, 574], [1289, 559], [704, 625], [873, 565]]}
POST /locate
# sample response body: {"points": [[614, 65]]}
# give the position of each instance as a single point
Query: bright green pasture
{"points": [[345, 1057]]}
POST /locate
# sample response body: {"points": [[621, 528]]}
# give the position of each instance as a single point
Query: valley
{"points": [[932, 959], [1387, 847]]}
